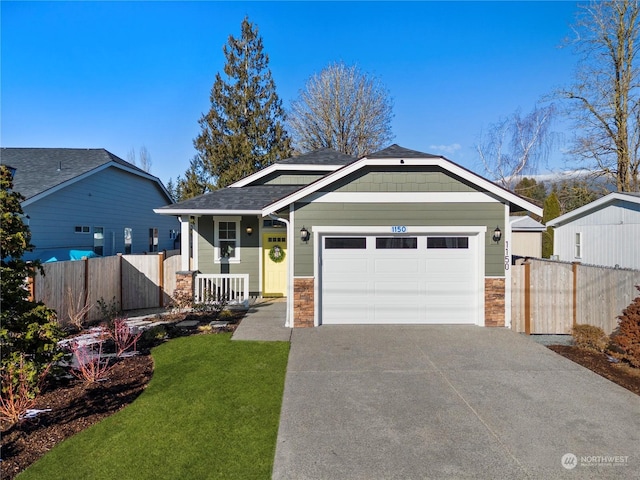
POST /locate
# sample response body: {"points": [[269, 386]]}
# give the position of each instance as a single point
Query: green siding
{"points": [[406, 179], [298, 179], [249, 251], [290, 177], [409, 214]]}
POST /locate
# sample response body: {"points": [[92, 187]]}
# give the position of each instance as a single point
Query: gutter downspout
{"points": [[289, 315]]}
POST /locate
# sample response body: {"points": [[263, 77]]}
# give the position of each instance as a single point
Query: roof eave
{"points": [[204, 211], [601, 202]]}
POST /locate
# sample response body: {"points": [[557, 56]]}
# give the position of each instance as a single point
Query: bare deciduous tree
{"points": [[605, 98], [143, 160], [343, 109], [515, 146]]}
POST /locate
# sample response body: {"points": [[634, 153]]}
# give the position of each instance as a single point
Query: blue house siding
{"points": [[112, 199]]}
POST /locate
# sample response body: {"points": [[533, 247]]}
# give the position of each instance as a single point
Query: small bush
{"points": [[590, 337], [21, 384], [109, 311], [153, 336], [92, 366], [625, 342]]}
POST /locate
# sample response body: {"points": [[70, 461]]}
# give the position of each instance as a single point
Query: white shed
{"points": [[526, 236], [604, 232]]}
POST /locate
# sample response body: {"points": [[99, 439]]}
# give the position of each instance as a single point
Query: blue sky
{"points": [[120, 75]]}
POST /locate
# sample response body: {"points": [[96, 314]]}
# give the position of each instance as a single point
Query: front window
{"points": [[227, 239]]}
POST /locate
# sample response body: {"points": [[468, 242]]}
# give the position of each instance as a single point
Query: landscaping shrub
{"points": [[625, 342], [590, 337]]}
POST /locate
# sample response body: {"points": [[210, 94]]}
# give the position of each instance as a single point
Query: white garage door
{"points": [[426, 279]]}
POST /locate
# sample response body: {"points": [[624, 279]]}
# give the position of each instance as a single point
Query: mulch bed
{"points": [[620, 373], [76, 406]]}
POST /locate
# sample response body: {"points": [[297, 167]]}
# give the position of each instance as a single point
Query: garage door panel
{"points": [[401, 282], [396, 266]]}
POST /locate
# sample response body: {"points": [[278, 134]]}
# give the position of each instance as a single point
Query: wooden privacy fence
{"points": [[134, 281], [549, 297]]}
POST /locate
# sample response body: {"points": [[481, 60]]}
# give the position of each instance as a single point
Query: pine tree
{"points": [[196, 181], [244, 129], [27, 329], [551, 210]]}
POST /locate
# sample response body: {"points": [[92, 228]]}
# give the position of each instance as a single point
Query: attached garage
{"points": [[420, 278]]}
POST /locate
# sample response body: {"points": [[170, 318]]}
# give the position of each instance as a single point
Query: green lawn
{"points": [[211, 411]]}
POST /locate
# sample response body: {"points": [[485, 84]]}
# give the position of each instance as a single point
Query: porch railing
{"points": [[214, 287]]}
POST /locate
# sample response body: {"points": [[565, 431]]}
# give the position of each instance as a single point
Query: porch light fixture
{"points": [[304, 234], [497, 235], [249, 230]]}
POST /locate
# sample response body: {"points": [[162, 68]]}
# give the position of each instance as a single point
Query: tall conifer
{"points": [[244, 129]]}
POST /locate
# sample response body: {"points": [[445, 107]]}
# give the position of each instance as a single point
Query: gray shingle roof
{"points": [[235, 198], [324, 156], [40, 169], [396, 151]]}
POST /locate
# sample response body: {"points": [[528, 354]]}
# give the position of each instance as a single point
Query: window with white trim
{"points": [[98, 240], [227, 239], [153, 240], [578, 251], [128, 239]]}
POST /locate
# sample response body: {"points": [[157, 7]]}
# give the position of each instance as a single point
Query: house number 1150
{"points": [[399, 229]]}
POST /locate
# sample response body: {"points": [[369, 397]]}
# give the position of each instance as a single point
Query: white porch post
{"points": [[196, 227], [185, 243]]}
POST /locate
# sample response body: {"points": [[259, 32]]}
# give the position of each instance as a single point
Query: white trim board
{"points": [[401, 197], [286, 167]]}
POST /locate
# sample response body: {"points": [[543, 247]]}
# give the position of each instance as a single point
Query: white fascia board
{"points": [[287, 167], [596, 204], [400, 197], [437, 162], [98, 169], [200, 212]]}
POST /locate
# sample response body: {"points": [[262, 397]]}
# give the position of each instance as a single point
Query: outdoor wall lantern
{"points": [[249, 230], [497, 235], [304, 234]]}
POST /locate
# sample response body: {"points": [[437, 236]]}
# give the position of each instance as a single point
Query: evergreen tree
{"points": [[244, 129], [196, 181], [28, 329], [551, 210], [530, 188]]}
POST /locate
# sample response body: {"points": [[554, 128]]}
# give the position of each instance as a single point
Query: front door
{"points": [[274, 263]]}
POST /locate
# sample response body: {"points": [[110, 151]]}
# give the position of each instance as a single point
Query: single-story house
{"points": [[398, 236], [80, 202], [526, 236], [604, 232]]}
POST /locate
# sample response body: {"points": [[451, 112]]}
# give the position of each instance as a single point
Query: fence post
{"points": [[86, 287], [574, 270], [527, 297], [31, 285], [121, 286], [161, 256]]}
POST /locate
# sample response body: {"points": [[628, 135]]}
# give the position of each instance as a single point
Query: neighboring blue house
{"points": [[84, 201]]}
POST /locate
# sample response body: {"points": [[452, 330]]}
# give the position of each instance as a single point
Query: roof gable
{"points": [[41, 171], [325, 160], [615, 197], [397, 156]]}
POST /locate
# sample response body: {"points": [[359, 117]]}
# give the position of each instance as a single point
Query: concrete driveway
{"points": [[417, 402]]}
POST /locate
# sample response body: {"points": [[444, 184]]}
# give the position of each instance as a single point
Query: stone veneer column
{"points": [[494, 303], [185, 282], [303, 302]]}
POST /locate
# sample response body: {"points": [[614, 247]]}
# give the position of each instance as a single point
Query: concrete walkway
{"points": [[448, 402], [264, 322]]}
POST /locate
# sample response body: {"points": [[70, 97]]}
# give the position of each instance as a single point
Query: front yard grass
{"points": [[211, 410]]}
